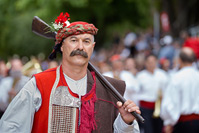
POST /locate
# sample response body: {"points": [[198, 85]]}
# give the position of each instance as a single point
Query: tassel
{"points": [[88, 123], [56, 49]]}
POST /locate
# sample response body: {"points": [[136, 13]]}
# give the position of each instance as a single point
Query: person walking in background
{"points": [[164, 64], [152, 82], [130, 65], [11, 85], [119, 72], [131, 93], [180, 104], [3, 74]]}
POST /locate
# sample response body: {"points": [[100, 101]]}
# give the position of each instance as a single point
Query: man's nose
{"points": [[80, 45]]}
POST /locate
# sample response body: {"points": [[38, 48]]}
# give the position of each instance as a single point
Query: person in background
{"points": [[118, 72], [3, 74], [180, 104], [193, 43], [130, 65], [152, 82], [104, 67], [167, 50], [70, 98], [117, 67], [52, 64], [31, 67], [165, 65], [11, 85], [131, 93]]}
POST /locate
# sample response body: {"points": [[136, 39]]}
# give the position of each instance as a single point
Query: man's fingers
{"points": [[129, 106], [133, 109], [128, 102], [119, 104]]}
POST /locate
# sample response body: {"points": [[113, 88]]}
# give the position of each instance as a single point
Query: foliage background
{"points": [[111, 17]]}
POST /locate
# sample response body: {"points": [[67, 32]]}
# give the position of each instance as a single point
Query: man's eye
{"points": [[73, 40], [87, 41]]}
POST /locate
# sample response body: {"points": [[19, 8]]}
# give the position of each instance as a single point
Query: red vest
{"points": [[45, 81], [105, 109]]}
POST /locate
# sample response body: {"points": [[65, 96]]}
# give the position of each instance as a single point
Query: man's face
{"points": [[77, 49], [130, 64], [151, 63], [117, 65], [16, 68]]}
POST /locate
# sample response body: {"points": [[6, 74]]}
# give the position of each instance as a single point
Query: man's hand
{"points": [[125, 109], [168, 129]]}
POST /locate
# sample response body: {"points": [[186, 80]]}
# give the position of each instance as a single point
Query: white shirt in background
{"points": [[181, 96], [151, 83]]}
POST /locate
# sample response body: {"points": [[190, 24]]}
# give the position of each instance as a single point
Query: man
{"points": [[69, 98], [3, 74], [180, 108], [152, 81], [167, 50], [118, 72], [164, 64], [12, 84], [130, 65]]}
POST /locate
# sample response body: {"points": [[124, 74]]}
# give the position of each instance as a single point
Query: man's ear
{"points": [[61, 48], [94, 44]]}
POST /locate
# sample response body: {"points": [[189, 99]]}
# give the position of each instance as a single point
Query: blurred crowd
{"points": [[145, 63]]}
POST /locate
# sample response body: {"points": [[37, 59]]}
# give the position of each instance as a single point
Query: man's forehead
{"points": [[82, 36]]}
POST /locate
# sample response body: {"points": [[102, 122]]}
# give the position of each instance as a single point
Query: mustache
{"points": [[79, 52]]}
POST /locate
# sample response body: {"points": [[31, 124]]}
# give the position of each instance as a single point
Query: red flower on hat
{"points": [[61, 22], [62, 18]]}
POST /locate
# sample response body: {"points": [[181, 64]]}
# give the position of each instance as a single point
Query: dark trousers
{"points": [[151, 125], [187, 127]]}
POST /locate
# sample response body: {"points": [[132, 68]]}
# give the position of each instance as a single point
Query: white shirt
{"points": [[131, 82], [6, 85], [19, 115], [151, 83], [77, 86], [181, 96]]}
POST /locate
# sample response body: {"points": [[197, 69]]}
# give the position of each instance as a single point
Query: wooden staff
{"points": [[40, 28]]}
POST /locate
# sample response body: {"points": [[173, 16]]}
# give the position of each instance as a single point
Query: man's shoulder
{"points": [[142, 73], [187, 72], [48, 71], [7, 79], [161, 73]]}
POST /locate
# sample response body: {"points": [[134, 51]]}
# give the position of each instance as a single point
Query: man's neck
{"points": [[151, 70], [186, 65], [74, 72]]}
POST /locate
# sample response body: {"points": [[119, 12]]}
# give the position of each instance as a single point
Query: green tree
{"points": [[110, 16]]}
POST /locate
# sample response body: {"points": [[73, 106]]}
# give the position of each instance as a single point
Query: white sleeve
{"points": [[170, 107], [19, 116], [121, 127], [131, 83]]}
